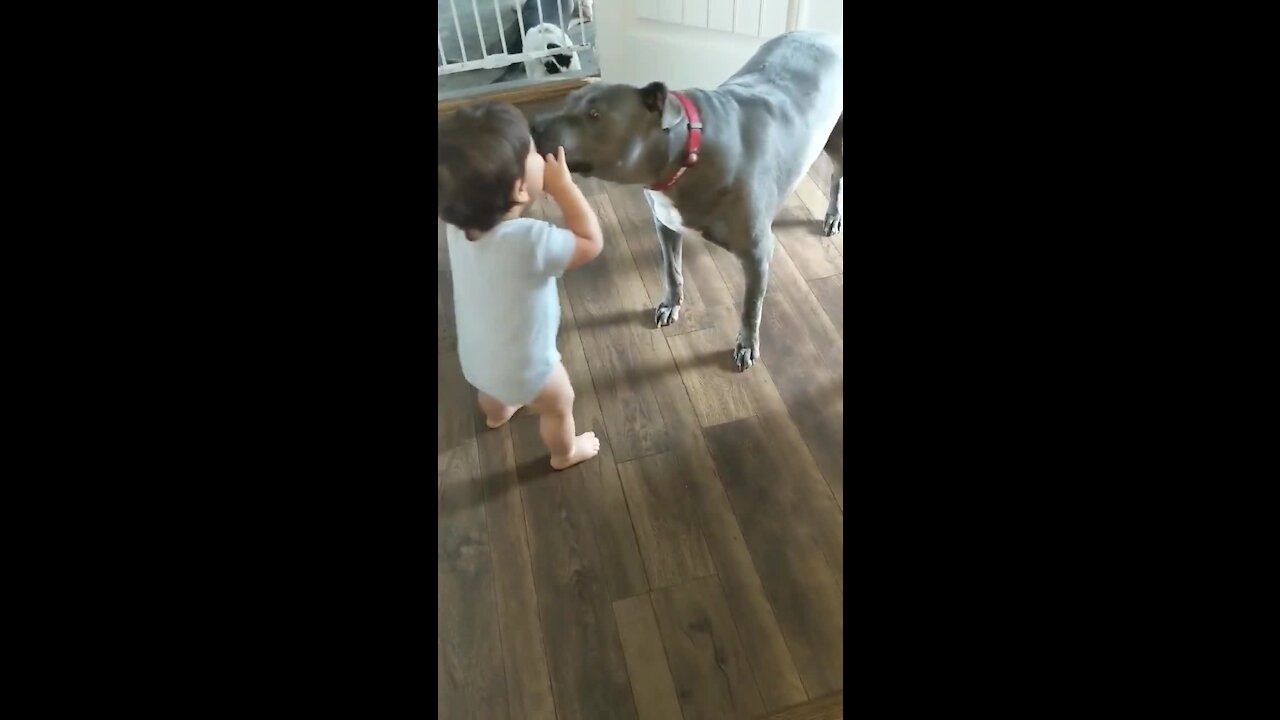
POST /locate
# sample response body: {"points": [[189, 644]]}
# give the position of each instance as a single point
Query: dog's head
{"points": [[612, 131], [549, 37]]}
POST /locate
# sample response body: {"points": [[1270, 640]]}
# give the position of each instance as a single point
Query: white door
{"points": [[697, 43]]}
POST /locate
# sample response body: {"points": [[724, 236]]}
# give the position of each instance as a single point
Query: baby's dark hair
{"points": [[482, 152]]}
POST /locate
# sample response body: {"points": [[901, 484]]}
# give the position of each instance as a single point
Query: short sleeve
{"points": [[552, 248]]}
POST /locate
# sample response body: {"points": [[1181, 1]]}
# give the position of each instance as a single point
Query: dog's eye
{"points": [[594, 114]]}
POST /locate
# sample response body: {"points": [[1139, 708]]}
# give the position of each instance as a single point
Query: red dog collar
{"points": [[691, 143]]}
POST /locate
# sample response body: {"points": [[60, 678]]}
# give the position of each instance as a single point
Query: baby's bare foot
{"points": [[495, 423], [585, 447]]}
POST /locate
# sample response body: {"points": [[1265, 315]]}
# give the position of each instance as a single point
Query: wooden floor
{"points": [[695, 569]]}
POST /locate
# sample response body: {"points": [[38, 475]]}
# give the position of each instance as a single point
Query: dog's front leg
{"points": [[672, 244], [755, 268], [834, 221]]}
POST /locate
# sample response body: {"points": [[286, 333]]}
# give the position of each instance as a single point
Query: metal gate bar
{"points": [[505, 58]]}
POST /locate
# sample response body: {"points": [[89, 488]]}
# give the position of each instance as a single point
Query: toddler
{"points": [[505, 268]]}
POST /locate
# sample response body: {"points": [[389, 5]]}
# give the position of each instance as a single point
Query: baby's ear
{"points": [[520, 193]]}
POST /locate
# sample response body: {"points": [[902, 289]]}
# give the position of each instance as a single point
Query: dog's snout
{"points": [[538, 129]]}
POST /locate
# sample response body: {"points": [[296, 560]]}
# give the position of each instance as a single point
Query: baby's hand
{"points": [[556, 177]]}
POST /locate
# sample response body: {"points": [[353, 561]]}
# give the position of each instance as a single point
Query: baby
{"points": [[505, 266]]}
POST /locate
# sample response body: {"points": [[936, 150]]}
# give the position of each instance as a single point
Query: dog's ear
{"points": [[658, 100], [654, 96]]}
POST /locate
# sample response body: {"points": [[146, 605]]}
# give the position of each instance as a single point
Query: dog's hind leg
{"points": [[755, 269], [834, 221], [672, 244]]}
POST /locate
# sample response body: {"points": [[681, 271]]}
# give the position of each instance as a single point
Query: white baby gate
{"points": [[503, 59]]}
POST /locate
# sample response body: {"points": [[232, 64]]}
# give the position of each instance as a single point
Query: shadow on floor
{"points": [[644, 373], [643, 318]]}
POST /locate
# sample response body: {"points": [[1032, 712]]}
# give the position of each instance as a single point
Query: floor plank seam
{"points": [[686, 580], [644, 564], [773, 612], [814, 458], [497, 602], [790, 415], [665, 652], [646, 455], [755, 674], [701, 522], [613, 610], [701, 432], [666, 342], [609, 437], [537, 597], [820, 277]]}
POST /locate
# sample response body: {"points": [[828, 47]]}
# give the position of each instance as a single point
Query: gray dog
{"points": [[718, 161]]}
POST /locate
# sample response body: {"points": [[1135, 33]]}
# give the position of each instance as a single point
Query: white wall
{"points": [[820, 15], [697, 43]]}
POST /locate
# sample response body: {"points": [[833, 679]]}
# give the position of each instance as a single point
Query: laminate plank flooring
{"points": [[665, 524], [693, 569], [775, 513], [713, 678], [830, 293], [830, 707], [472, 678], [589, 677], [813, 254], [647, 660], [623, 568], [528, 682]]}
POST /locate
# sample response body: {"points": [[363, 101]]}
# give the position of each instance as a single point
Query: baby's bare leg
{"points": [[555, 404], [496, 412]]}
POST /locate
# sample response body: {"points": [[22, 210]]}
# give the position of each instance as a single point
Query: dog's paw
{"points": [[666, 314], [833, 224], [744, 356]]}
